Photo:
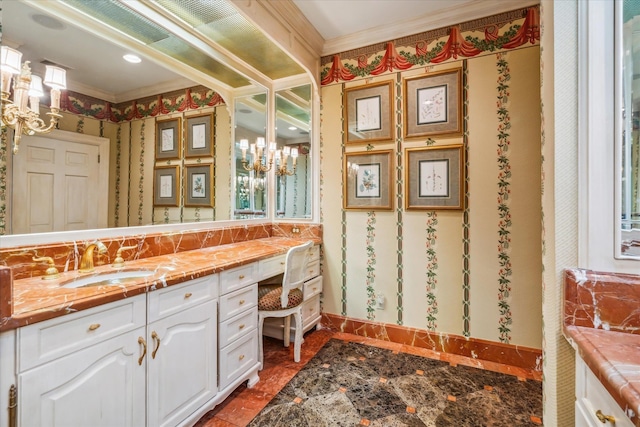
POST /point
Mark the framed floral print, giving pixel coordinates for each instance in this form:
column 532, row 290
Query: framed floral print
column 367, row 180
column 199, row 185
column 433, row 104
column 165, row 183
column 199, row 136
column 434, row 178
column 168, row 137
column 368, row 113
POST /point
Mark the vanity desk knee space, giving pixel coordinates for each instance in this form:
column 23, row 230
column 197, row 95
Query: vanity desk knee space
column 162, row 355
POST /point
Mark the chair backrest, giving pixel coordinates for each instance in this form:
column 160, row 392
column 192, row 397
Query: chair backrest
column 295, row 267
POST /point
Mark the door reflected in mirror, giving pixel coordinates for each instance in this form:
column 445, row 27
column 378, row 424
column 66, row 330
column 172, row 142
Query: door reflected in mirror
column 293, row 155
column 628, row 150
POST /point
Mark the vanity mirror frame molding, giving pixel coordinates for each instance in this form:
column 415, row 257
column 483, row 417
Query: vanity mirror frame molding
column 599, row 121
column 306, row 54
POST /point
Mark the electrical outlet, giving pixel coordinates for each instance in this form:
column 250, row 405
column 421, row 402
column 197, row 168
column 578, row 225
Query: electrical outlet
column 295, row 230
column 380, row 302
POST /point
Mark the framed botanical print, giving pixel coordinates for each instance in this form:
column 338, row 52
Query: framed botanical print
column 433, row 104
column 165, row 183
column 367, row 180
column 168, row 137
column 434, row 178
column 368, row 113
column 199, row 185
column 200, row 136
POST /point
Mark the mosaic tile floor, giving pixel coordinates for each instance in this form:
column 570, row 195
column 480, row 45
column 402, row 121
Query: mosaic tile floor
column 377, row 384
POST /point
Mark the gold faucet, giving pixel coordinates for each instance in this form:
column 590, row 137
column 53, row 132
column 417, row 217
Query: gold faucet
column 119, row 261
column 86, row 262
column 52, row 271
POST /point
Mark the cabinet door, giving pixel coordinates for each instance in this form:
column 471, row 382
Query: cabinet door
column 181, row 364
column 100, row 386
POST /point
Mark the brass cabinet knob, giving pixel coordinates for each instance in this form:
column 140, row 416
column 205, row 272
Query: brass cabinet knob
column 94, row 326
column 604, row 418
column 241, row 326
column 241, row 277
column 187, row 295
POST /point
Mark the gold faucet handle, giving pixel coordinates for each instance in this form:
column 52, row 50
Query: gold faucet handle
column 119, row 261
column 52, row 271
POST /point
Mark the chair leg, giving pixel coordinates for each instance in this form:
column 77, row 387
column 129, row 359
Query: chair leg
column 287, row 331
column 260, row 338
column 297, row 345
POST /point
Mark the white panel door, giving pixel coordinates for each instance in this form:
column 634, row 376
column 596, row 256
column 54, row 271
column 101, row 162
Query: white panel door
column 56, row 184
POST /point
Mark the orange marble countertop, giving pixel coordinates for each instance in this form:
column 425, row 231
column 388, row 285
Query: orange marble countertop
column 614, row 357
column 35, row 300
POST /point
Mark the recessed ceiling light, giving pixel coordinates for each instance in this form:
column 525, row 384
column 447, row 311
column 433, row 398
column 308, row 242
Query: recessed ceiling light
column 48, row 22
column 292, row 128
column 134, row 59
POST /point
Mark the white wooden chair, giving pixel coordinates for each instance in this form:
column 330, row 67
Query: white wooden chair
column 285, row 299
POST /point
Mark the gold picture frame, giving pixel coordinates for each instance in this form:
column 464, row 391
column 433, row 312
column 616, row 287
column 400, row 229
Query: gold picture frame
column 368, row 113
column 434, row 178
column 168, row 139
column 166, row 186
column 368, row 180
column 433, row 104
column 200, row 140
column 199, row 189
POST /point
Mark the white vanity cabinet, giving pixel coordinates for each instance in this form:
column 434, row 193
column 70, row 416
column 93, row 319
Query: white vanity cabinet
column 85, row 368
column 146, row 360
column 593, row 400
column 312, row 288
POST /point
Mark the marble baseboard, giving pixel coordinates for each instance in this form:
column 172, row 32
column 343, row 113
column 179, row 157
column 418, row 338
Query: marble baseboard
column 477, row 349
column 608, row 301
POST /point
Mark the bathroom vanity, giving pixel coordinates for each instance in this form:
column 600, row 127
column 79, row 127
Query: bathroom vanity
column 160, row 349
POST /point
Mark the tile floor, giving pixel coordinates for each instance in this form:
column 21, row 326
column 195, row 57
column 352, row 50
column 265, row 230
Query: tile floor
column 244, row 404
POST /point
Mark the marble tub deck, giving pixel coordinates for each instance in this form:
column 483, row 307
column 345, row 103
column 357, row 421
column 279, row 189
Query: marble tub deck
column 602, row 323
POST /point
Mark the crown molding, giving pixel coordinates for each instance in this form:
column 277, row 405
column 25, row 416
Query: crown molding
column 444, row 18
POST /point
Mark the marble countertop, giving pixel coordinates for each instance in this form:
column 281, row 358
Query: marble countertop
column 35, row 299
column 614, row 357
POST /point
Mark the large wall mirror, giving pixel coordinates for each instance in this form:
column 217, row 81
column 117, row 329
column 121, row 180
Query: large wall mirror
column 237, row 193
column 628, row 130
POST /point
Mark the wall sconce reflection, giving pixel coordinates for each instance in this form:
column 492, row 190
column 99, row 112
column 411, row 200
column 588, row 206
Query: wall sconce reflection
column 257, row 152
column 281, row 161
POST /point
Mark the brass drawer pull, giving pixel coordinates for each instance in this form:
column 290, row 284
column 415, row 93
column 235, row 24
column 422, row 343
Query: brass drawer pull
column 281, row 262
column 241, row 357
column 144, row 349
column 604, row 418
column 241, row 326
column 315, row 289
column 241, row 301
column 156, row 339
column 94, row 326
column 241, row 277
column 187, row 295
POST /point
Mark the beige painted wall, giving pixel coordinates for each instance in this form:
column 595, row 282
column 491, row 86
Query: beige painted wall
column 410, row 305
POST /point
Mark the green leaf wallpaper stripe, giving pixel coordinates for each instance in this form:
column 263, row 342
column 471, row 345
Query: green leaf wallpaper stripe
column 399, row 200
column 504, row 188
column 344, row 216
column 118, row 166
column 432, row 269
column 141, row 180
column 371, row 263
column 466, row 254
column 3, row 181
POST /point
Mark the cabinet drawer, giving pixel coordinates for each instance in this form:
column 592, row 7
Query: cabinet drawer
column 592, row 396
column 237, row 327
column 314, row 253
column 312, row 288
column 271, row 266
column 238, row 277
column 238, row 358
column 177, row 298
column 48, row 340
column 236, row 302
column 310, row 311
column 313, row 269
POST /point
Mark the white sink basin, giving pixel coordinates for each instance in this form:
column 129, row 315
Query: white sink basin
column 108, row 279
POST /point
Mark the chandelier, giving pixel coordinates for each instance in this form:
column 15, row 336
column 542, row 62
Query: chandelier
column 256, row 150
column 281, row 161
column 28, row 88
